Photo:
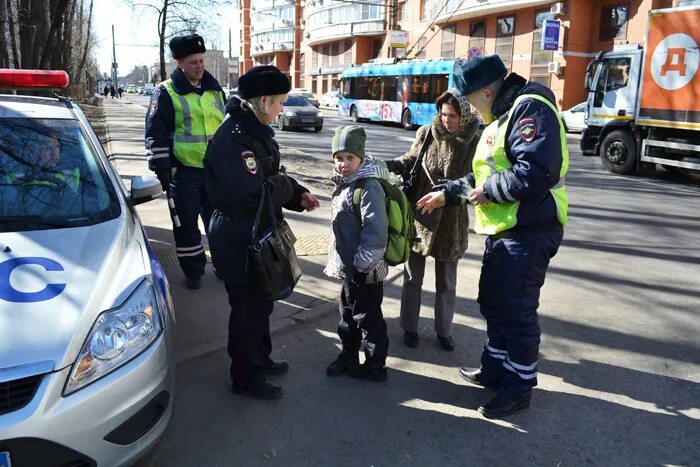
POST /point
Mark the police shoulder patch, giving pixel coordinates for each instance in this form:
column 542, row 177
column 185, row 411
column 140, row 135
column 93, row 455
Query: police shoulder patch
column 527, row 128
column 154, row 105
column 249, row 162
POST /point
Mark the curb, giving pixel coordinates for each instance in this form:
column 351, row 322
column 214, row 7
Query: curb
column 277, row 327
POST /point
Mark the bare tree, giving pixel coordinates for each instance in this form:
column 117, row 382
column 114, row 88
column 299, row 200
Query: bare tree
column 177, row 17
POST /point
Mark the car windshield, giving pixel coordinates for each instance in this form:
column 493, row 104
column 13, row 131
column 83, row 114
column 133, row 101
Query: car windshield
column 50, row 178
column 297, row 101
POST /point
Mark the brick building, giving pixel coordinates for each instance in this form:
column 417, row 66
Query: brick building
column 315, row 40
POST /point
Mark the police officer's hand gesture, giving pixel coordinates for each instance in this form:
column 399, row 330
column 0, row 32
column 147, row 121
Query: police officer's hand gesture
column 477, row 196
column 309, row 202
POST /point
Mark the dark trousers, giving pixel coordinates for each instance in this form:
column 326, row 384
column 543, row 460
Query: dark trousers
column 249, row 343
column 362, row 323
column 512, row 274
column 191, row 201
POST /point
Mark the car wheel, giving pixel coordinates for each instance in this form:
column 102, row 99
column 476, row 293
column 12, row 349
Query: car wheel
column 618, row 152
column 280, row 124
column 407, row 120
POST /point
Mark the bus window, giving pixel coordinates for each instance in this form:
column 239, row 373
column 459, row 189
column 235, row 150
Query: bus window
column 403, row 93
column 390, row 88
column 439, row 85
column 373, row 88
column 346, row 87
column 360, row 89
column 420, row 89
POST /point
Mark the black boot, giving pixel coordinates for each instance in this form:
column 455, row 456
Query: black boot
column 276, row 368
column 410, row 339
column 368, row 372
column 478, row 377
column 341, row 364
column 500, row 407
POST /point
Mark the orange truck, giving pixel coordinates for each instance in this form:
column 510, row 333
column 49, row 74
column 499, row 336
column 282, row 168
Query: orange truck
column 643, row 104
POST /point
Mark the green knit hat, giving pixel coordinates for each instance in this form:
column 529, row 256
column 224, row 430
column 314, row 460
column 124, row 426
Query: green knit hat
column 350, row 138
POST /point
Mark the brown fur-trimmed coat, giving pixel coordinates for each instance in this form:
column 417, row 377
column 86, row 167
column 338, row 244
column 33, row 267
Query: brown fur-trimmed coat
column 449, row 156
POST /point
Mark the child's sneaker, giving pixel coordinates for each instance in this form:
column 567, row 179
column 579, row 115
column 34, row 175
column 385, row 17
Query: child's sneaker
column 342, row 363
column 367, row 372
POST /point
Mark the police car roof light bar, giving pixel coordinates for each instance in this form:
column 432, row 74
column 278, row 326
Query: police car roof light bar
column 33, row 79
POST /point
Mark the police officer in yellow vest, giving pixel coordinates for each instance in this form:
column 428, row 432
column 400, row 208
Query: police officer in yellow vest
column 184, row 113
column 521, row 204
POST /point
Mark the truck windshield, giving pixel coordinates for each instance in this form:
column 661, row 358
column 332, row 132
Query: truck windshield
column 49, row 177
column 614, row 74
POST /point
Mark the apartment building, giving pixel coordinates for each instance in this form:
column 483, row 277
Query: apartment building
column 315, row 40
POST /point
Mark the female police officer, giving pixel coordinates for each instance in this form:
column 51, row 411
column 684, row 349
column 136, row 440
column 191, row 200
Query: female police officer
column 241, row 157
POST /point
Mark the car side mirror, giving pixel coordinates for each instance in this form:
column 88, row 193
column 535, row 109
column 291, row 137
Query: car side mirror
column 144, row 189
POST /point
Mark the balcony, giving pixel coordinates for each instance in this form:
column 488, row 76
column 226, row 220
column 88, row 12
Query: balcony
column 328, row 21
column 270, row 4
column 270, row 47
column 442, row 10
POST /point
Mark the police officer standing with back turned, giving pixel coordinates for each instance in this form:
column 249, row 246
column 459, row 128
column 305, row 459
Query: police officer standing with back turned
column 184, row 113
column 521, row 204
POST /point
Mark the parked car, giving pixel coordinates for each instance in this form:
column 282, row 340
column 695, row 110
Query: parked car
column 88, row 328
column 573, row 118
column 330, row 99
column 308, row 95
column 299, row 112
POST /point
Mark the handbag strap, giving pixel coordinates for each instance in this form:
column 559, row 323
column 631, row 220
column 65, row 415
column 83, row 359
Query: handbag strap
column 265, row 198
column 419, row 160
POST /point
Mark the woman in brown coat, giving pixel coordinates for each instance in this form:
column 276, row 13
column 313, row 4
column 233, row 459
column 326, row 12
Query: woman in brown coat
column 444, row 234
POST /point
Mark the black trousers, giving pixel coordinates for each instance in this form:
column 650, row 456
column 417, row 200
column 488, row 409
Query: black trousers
column 362, row 323
column 191, row 202
column 512, row 274
column 249, row 343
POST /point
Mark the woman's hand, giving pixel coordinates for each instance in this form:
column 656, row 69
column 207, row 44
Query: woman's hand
column 309, row 202
column 431, row 201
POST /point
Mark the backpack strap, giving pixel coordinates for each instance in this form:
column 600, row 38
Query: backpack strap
column 357, row 197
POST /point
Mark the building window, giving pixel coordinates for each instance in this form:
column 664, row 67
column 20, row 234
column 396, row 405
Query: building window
column 335, row 53
column 314, row 84
column 403, row 11
column 376, row 48
column 314, row 59
column 540, row 58
column 424, row 9
column 324, row 56
column 447, row 49
column 505, row 30
column 613, row 22
column 347, row 59
column 302, row 63
column 420, row 53
column 477, row 36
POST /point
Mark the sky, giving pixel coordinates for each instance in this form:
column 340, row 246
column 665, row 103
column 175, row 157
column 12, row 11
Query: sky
column 136, row 36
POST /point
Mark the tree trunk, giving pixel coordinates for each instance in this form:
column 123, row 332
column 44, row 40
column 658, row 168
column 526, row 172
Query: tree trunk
column 86, row 47
column 11, row 18
column 161, row 38
column 56, row 19
column 4, row 52
column 65, row 46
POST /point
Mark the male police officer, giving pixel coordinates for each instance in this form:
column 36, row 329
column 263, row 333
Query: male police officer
column 521, row 204
column 184, row 114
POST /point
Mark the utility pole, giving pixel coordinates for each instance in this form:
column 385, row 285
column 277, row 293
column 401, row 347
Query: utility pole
column 114, row 62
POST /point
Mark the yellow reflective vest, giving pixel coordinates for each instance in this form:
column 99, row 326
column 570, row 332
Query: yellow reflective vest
column 490, row 157
column 196, row 120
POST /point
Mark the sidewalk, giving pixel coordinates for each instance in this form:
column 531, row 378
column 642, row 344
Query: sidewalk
column 203, row 314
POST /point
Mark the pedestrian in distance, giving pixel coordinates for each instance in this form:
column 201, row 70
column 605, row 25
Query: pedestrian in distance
column 442, row 149
column 356, row 250
column 185, row 112
column 120, row 90
column 112, row 91
column 242, row 160
column 521, row 204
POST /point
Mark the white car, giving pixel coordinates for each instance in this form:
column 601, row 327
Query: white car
column 86, row 318
column 574, row 118
column 330, row 99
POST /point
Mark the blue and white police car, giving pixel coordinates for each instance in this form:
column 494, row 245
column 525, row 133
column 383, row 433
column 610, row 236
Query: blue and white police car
column 86, row 317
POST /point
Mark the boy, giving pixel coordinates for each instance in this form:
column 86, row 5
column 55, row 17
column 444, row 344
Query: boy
column 359, row 234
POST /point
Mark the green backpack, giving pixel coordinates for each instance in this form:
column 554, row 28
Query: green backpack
column 400, row 216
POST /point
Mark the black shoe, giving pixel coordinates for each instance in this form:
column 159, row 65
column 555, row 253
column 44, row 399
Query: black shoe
column 446, row 343
column 476, row 376
column 341, row 364
column 193, row 282
column 263, row 390
column 410, row 339
column 368, row 373
column 276, row 368
column 500, row 407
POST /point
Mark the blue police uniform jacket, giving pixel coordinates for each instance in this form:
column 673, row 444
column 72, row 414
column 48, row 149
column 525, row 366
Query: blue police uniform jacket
column 536, row 158
column 241, row 156
column 160, row 118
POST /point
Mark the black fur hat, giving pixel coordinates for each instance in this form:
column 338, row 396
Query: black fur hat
column 182, row 46
column 263, row 80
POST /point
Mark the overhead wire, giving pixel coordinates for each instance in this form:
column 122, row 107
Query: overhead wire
column 435, row 33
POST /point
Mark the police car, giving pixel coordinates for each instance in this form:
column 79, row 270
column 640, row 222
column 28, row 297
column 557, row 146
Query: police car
column 86, row 317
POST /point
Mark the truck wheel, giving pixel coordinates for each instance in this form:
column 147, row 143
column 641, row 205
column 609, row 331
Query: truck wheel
column 407, row 120
column 618, row 152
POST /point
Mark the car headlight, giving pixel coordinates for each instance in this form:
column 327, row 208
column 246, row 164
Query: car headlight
column 290, row 114
column 320, row 114
column 117, row 336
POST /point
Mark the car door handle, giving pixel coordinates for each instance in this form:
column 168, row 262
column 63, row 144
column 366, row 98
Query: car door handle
column 621, row 113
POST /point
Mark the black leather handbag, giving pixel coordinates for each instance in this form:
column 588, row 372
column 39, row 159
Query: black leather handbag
column 271, row 254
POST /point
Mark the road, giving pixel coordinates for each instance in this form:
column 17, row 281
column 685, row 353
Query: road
column 619, row 370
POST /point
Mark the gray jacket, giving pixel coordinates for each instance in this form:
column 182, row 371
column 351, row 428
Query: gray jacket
column 359, row 244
